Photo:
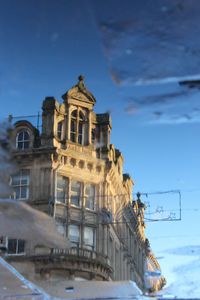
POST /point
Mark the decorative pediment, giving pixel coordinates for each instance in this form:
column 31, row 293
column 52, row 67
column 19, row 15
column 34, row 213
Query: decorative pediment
column 79, row 92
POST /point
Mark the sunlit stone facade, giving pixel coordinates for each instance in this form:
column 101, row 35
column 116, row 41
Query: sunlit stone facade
column 70, row 170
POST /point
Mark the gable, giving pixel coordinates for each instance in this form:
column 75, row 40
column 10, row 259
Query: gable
column 79, row 92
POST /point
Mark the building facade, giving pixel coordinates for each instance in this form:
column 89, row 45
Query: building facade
column 71, row 171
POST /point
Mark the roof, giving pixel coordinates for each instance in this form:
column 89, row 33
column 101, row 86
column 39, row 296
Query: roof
column 92, row 289
column 14, row 286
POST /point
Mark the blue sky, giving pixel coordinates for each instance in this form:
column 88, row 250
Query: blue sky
column 45, row 45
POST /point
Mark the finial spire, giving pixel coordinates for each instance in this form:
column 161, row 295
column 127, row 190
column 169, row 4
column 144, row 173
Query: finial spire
column 81, row 78
column 138, row 196
column 81, row 84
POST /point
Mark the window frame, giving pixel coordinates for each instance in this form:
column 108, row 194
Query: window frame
column 73, row 194
column 21, row 185
column 90, row 196
column 81, row 128
column 59, row 132
column 23, row 141
column 63, row 190
column 91, row 246
column 73, row 126
column 75, row 242
column 77, row 127
column 16, row 247
column 60, row 224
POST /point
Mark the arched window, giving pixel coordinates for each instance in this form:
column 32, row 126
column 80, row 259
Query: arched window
column 23, row 140
column 73, row 126
column 81, row 128
column 77, row 127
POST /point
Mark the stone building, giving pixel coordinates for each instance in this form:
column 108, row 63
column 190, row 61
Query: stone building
column 70, row 170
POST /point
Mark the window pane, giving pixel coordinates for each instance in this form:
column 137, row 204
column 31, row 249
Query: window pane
column 16, row 179
column 74, row 114
column 25, row 180
column 23, row 140
column 73, row 126
column 17, row 192
column 90, row 203
column 21, row 246
column 90, row 196
column 93, row 135
column 60, row 228
column 75, row 193
column 80, row 133
column 61, row 182
column 12, row 246
column 26, row 135
column 74, row 233
column 80, row 139
column 76, row 187
column 73, row 137
column 73, row 131
column 25, row 177
column 80, row 128
column 75, row 200
column 59, row 130
column 61, row 188
column 81, row 116
column 20, row 145
column 20, row 182
column 90, row 190
column 60, row 196
column 20, row 136
column 24, row 192
column 26, row 145
column 89, row 237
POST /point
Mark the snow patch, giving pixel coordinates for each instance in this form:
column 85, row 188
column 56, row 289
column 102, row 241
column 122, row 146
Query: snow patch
column 181, row 267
